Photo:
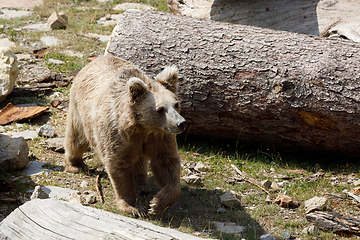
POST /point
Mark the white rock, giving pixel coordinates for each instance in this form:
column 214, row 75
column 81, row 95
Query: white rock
column 58, row 192
column 39, row 193
column 200, row 167
column 46, row 131
column 313, row 230
column 137, row 6
column 13, row 153
column 6, row 43
column 39, row 27
column 57, row 20
column 230, row 199
column 356, row 183
column 74, row 198
column 56, row 62
column 315, row 203
column 90, row 198
column 9, row 14
column 49, row 41
column 27, row 135
column 56, row 144
column 84, row 184
column 115, row 18
column 9, row 71
column 221, row 210
column 227, row 227
column 192, row 179
column 102, row 38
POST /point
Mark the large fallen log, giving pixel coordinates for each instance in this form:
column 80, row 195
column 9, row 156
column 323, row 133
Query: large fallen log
column 251, row 84
column 54, row 219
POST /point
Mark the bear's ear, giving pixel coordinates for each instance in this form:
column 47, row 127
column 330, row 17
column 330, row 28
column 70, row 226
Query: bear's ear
column 136, row 87
column 168, row 78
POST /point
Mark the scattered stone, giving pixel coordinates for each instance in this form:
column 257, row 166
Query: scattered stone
column 36, row 168
column 192, row 179
column 13, row 153
column 90, row 198
column 55, row 61
column 58, row 192
column 46, row 131
column 284, row 201
column 230, row 199
column 221, row 210
column 275, row 186
column 282, row 184
column 20, row 4
column 272, row 169
column 23, row 56
column 286, row 235
column 102, row 38
column 268, row 199
column 13, row 113
column 227, row 227
column 315, row 203
column 113, row 19
column 56, row 144
column 57, row 20
column 312, row 230
column 56, row 102
column 356, row 183
column 9, row 14
column 314, row 177
column 39, row 193
column 266, row 183
column 9, row 71
column 84, row 184
column 39, row 27
column 27, row 135
column 137, row 6
column 49, row 41
column 267, row 237
column 200, row 167
column 74, row 198
column 6, row 43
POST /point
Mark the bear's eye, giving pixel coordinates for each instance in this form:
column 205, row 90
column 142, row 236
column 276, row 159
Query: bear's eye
column 160, row 110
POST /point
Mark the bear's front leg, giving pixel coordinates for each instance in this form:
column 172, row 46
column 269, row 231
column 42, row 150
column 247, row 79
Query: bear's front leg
column 166, row 170
column 122, row 179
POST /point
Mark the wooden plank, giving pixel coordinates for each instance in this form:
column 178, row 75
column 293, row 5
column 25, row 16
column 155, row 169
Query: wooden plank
column 54, row 219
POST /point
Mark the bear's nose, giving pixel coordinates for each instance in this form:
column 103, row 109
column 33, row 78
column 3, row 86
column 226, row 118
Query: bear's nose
column 181, row 125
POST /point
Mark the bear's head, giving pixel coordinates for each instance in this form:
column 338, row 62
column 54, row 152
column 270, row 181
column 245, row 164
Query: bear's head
column 156, row 105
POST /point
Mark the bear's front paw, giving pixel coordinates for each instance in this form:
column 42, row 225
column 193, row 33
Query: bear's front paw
column 76, row 169
column 157, row 208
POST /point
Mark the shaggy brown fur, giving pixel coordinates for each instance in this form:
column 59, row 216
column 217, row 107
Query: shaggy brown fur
column 129, row 120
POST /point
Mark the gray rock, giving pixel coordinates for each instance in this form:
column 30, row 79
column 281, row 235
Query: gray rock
column 286, row 235
column 230, row 199
column 36, row 168
column 102, row 38
column 27, row 135
column 55, row 144
column 114, row 19
column 13, row 153
column 57, row 20
column 266, row 183
column 315, row 203
column 84, row 184
column 192, row 179
column 46, row 131
column 74, row 198
column 267, row 237
column 221, row 210
column 90, row 198
column 49, row 41
column 9, row 71
column 39, row 193
column 227, row 227
column 275, row 186
column 356, row 183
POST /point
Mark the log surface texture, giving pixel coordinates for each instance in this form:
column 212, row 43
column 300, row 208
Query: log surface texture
column 251, row 84
column 54, row 219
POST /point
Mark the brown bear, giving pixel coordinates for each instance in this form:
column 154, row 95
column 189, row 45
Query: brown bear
column 130, row 120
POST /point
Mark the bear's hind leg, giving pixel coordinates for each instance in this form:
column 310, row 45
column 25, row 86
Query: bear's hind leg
column 75, row 146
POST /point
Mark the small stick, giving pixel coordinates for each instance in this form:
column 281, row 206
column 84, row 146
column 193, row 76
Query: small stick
column 242, row 174
column 8, row 199
column 98, row 186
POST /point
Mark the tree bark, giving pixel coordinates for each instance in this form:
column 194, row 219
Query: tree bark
column 251, row 84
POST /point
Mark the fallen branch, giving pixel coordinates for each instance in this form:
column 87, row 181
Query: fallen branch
column 98, row 187
column 243, row 177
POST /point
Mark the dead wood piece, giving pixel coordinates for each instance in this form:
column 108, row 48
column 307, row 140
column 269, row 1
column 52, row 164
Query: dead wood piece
column 249, row 84
column 98, row 186
column 334, row 222
column 12, row 113
column 55, row 219
column 354, row 196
